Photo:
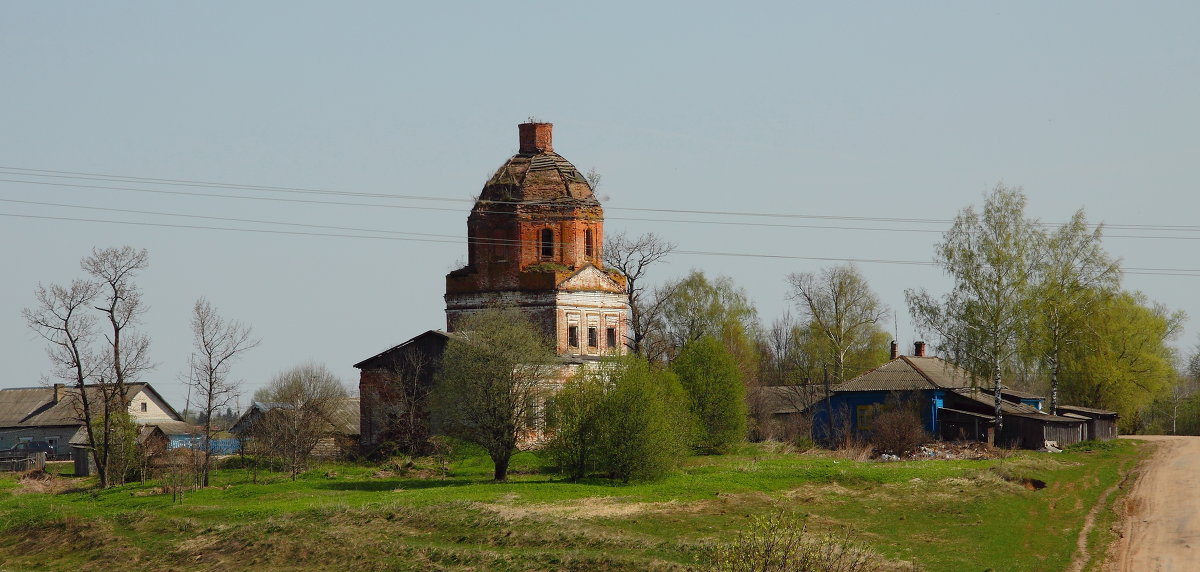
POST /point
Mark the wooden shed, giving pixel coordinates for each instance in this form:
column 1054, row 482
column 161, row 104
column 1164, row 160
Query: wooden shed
column 1099, row 424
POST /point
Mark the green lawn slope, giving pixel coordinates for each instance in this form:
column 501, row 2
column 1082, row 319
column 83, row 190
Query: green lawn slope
column 933, row 515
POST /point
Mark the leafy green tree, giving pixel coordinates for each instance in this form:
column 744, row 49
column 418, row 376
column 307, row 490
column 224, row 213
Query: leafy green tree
column 993, row 258
column 694, row 307
column 841, row 308
column 646, row 423
column 624, row 418
column 1076, row 274
column 709, row 375
column 575, row 414
column 1126, row 360
column 493, row 382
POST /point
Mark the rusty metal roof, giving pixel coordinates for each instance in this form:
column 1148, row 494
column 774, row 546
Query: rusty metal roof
column 911, row 373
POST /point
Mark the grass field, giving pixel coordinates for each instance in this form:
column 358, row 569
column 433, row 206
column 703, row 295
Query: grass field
column 936, row 515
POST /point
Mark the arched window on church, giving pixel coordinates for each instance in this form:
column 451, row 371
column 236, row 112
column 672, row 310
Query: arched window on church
column 546, row 243
column 589, row 244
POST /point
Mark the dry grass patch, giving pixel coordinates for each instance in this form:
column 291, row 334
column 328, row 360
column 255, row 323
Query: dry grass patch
column 586, row 508
column 41, row 482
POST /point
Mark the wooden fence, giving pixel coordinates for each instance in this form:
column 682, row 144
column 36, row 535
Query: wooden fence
column 17, row 464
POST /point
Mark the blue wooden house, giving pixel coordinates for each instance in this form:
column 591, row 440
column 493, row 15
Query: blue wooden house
column 953, row 404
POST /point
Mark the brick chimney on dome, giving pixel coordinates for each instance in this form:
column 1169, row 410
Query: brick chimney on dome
column 536, row 137
column 895, row 350
column 919, row 349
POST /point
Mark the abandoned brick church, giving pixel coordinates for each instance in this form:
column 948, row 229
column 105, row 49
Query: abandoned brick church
column 534, row 240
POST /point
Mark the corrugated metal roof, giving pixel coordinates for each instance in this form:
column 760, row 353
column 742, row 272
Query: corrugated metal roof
column 911, row 373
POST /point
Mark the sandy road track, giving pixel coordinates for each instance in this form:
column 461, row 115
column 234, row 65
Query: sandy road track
column 1162, row 529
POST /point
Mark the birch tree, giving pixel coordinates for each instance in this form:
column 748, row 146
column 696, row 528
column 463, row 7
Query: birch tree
column 1076, row 274
column 992, row 256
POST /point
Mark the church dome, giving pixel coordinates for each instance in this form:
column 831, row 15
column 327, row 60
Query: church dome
column 538, row 174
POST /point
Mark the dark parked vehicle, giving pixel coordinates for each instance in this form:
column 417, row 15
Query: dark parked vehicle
column 30, row 447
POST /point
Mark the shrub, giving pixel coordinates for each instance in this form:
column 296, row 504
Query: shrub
column 621, row 418
column 779, row 544
column 710, row 376
column 898, row 429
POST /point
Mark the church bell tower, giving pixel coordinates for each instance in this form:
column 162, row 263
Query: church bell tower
column 534, row 240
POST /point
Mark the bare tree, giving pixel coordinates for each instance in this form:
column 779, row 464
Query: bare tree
column 126, row 351
column 121, row 305
column 99, row 370
column 61, row 317
column 399, row 408
column 302, row 408
column 633, row 257
column 840, row 303
column 218, row 344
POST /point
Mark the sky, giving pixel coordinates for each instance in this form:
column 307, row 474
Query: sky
column 840, row 131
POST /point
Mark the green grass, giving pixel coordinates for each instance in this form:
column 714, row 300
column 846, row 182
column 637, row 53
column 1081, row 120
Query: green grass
column 940, row 515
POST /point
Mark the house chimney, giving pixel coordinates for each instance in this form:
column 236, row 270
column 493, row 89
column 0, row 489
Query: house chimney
column 536, row 137
column 919, row 349
column 895, row 350
column 58, row 392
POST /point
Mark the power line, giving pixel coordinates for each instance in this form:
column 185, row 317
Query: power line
column 634, row 219
column 483, row 241
column 458, row 240
column 304, row 190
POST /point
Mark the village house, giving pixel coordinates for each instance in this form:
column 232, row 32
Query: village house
column 340, row 427
column 953, row 405
column 534, row 240
column 53, row 414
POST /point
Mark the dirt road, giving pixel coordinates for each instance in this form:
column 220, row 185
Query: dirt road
column 1162, row 531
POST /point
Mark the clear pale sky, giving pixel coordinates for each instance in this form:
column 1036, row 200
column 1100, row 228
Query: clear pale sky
column 879, row 110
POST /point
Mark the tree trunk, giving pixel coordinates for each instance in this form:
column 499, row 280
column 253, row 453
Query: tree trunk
column 1054, row 380
column 501, row 473
column 999, row 414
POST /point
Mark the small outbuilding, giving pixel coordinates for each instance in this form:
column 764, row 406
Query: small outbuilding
column 1099, row 424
